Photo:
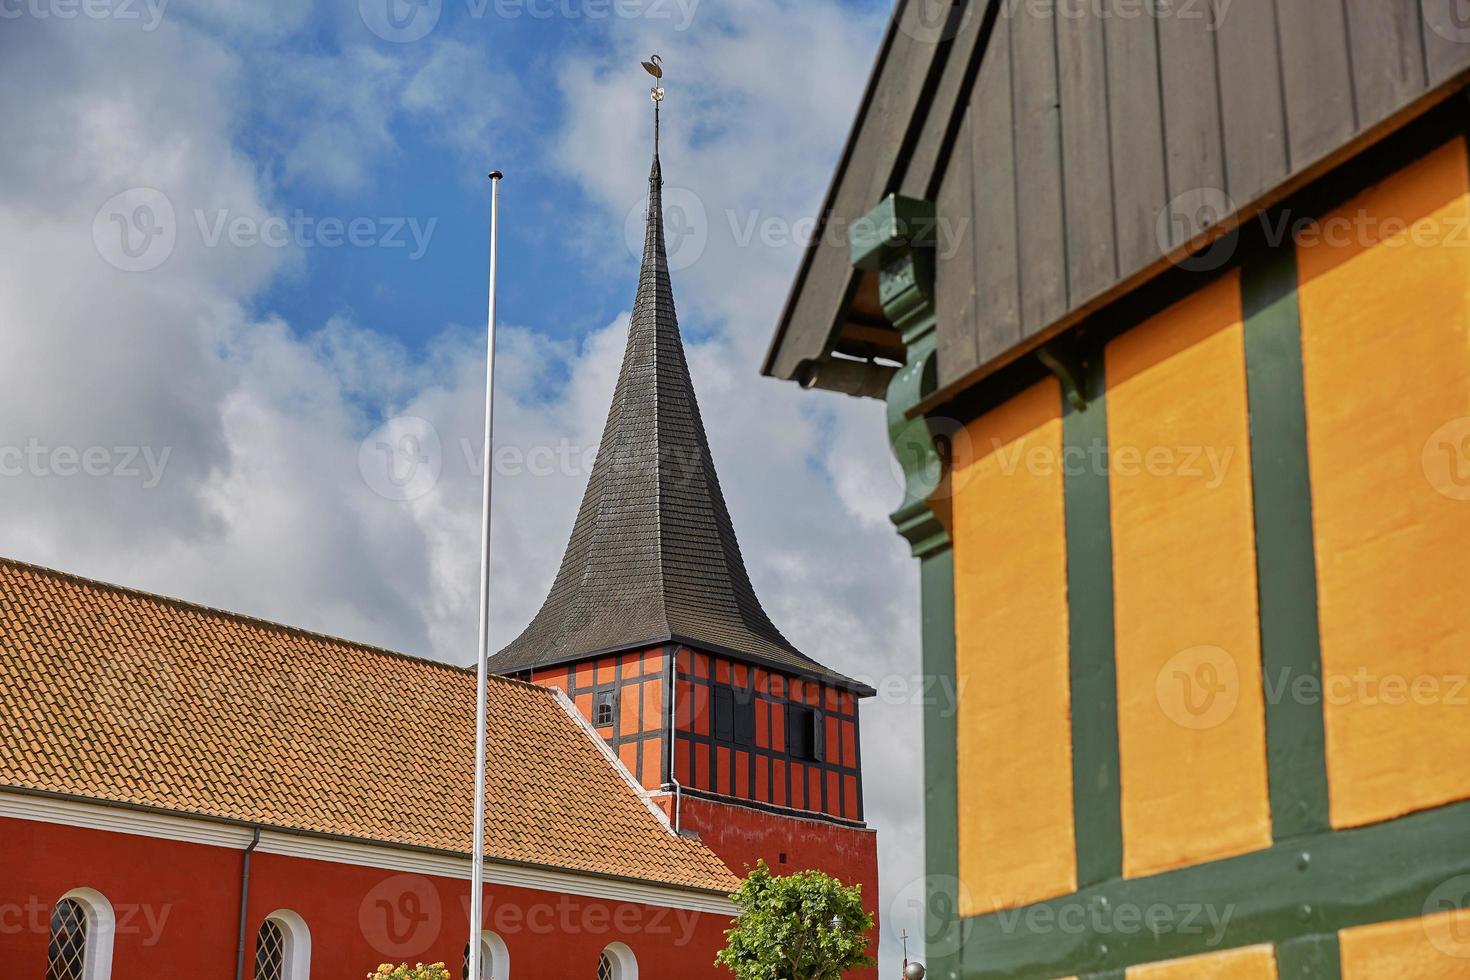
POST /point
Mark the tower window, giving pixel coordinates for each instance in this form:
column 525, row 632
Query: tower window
column 603, row 706
column 801, row 736
column 724, row 709
column 734, row 715
column 744, row 719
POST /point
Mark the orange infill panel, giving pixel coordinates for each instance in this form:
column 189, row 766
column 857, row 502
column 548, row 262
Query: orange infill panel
column 1385, row 309
column 1014, row 733
column 1191, row 711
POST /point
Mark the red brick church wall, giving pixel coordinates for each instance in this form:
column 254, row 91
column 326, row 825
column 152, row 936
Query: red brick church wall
column 743, row 835
column 177, row 908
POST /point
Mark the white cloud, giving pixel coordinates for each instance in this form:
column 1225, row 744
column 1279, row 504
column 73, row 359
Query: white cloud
column 759, row 99
column 262, row 506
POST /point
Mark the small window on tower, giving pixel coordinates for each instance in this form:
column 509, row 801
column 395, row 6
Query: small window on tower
column 603, row 707
column 802, row 733
column 744, row 718
column 724, row 709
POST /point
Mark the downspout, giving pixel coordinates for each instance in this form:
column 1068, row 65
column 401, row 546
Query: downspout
column 244, row 905
column 671, row 652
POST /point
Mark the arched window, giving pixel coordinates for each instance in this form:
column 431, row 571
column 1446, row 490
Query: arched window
column 494, row 958
column 80, row 946
column 283, row 947
column 617, row 963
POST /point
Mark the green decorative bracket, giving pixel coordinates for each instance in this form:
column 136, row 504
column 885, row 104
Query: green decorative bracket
column 897, row 240
column 1065, row 362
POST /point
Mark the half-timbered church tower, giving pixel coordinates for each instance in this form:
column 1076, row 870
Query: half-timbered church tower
column 653, row 630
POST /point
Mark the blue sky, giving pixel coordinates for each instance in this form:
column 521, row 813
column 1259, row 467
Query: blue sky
column 168, row 185
column 561, row 284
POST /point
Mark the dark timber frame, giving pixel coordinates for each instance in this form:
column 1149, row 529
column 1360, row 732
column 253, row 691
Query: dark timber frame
column 1313, row 881
column 698, row 740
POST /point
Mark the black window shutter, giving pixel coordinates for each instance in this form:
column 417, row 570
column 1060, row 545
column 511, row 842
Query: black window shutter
column 744, row 721
column 724, row 714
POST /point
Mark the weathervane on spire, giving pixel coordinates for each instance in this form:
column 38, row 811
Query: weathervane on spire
column 655, row 67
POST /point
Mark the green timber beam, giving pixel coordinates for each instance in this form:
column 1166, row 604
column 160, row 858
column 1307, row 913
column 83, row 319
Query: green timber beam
column 1314, row 885
column 1096, row 792
column 897, row 239
column 1286, row 570
column 1309, row 958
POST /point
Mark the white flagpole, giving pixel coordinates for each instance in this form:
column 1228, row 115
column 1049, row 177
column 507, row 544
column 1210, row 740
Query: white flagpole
column 482, row 680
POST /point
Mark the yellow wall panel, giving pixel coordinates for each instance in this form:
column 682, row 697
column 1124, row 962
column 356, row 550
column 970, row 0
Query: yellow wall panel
column 1250, row 963
column 1191, row 720
column 1434, row 948
column 1014, row 754
column 1385, row 306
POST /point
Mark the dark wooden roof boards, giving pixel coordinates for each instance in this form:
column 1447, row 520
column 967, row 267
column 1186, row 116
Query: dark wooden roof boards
column 1070, row 157
column 653, row 556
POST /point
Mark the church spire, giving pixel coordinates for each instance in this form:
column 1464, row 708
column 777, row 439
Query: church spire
column 653, row 556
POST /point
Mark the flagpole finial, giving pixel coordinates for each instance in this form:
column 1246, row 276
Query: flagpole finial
column 655, row 67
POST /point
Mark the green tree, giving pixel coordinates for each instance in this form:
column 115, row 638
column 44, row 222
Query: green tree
column 804, row 926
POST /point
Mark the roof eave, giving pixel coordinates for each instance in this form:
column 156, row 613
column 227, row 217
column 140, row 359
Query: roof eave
column 818, row 673
column 773, row 350
column 351, row 839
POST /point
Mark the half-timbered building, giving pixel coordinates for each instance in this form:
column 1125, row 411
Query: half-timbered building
column 1170, row 304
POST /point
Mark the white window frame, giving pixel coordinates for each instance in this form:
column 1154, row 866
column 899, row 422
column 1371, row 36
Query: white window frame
column 296, row 962
column 494, row 957
column 101, row 927
column 625, row 964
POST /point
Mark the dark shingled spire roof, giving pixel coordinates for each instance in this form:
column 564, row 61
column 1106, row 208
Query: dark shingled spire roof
column 653, row 556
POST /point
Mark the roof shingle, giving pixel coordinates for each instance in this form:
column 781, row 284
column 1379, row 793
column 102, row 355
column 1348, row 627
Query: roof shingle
column 121, row 696
column 653, row 556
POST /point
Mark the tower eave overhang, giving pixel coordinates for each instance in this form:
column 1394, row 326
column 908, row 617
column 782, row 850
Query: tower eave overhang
column 815, row 672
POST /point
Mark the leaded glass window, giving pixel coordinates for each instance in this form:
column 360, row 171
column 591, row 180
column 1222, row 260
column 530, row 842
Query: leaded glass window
column 270, row 952
column 483, row 964
column 67, row 953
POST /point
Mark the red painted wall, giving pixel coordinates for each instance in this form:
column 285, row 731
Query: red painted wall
column 641, row 715
column 743, row 835
column 177, row 907
column 765, row 771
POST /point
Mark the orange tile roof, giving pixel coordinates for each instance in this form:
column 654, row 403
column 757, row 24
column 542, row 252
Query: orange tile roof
column 122, row 696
